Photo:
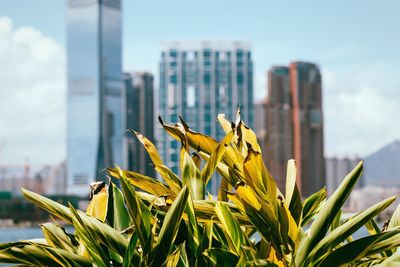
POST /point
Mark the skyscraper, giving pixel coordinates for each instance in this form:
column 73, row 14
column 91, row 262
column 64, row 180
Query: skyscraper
column 139, row 116
column 94, row 123
column 279, row 117
column 260, row 121
column 295, row 124
column 198, row 81
column 306, row 91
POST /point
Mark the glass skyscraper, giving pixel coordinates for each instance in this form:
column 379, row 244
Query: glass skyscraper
column 139, row 116
column 198, row 81
column 94, row 117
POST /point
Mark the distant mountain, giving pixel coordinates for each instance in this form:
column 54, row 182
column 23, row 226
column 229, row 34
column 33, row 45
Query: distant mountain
column 382, row 168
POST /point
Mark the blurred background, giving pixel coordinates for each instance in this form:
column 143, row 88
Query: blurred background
column 319, row 82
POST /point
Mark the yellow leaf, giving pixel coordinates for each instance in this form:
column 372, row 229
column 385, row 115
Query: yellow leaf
column 150, row 148
column 247, row 194
column 98, row 201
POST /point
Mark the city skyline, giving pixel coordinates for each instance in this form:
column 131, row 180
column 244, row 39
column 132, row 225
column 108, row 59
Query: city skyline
column 357, row 55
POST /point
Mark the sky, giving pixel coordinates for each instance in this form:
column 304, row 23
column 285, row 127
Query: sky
column 355, row 43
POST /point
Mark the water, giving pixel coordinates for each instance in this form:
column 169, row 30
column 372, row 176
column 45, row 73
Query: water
column 11, row 234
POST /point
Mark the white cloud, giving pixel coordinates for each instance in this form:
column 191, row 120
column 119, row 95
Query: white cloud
column 32, row 96
column 361, row 106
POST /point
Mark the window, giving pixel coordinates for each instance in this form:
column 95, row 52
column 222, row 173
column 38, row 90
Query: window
column 207, row 78
column 222, row 56
column 207, row 53
column 173, row 53
column 173, row 78
column 239, row 78
column 190, row 56
column 171, row 95
column 221, row 91
column 190, row 96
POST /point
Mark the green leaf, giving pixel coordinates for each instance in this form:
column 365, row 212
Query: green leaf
column 121, row 219
column 172, row 259
column 57, row 237
column 89, row 239
column 292, row 194
column 170, row 228
column 346, row 229
column 395, row 220
column 221, row 257
column 327, row 214
column 192, row 226
column 231, row 227
column 131, row 257
column 357, row 249
column 49, row 205
column 336, row 222
column 33, row 254
column 170, row 178
column 191, row 176
column 107, row 235
column 312, row 205
column 139, row 213
column 212, row 162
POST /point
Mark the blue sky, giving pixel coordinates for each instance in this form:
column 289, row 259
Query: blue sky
column 356, row 45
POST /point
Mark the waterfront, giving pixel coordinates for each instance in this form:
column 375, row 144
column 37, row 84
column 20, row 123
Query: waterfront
column 11, row 234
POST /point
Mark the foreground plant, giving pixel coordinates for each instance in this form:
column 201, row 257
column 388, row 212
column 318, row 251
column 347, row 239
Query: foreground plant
column 173, row 223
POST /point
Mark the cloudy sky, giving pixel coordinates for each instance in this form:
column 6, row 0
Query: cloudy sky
column 357, row 46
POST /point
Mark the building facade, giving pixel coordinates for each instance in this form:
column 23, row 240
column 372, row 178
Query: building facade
column 139, row 116
column 279, row 124
column 295, row 125
column 260, row 122
column 198, row 81
column 306, row 91
column 94, row 105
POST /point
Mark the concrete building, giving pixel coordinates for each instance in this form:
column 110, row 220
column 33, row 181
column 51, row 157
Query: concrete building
column 94, row 104
column 279, row 124
column 139, row 116
column 308, row 138
column 295, row 125
column 198, row 81
column 260, row 122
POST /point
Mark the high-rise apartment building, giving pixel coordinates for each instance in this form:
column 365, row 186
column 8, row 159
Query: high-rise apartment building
column 139, row 116
column 295, row 124
column 260, row 122
column 94, row 117
column 279, row 124
column 198, row 81
column 306, row 91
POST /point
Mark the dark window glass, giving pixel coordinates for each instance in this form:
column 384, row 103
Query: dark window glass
column 207, row 78
column 173, row 78
column 173, row 53
column 239, row 78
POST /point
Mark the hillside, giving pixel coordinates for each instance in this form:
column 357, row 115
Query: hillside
column 382, row 168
